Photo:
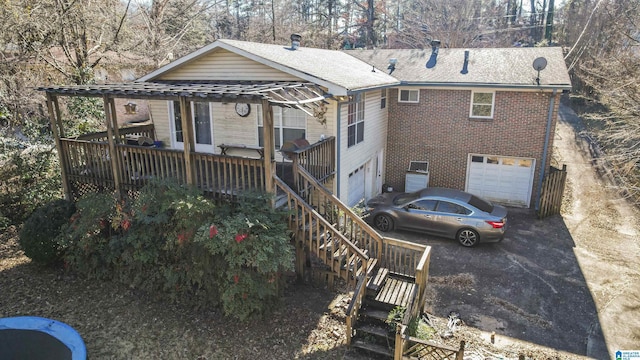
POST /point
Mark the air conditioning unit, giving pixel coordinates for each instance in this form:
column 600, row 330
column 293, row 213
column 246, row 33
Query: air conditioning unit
column 417, row 176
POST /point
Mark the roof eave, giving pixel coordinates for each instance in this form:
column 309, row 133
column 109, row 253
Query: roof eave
column 489, row 85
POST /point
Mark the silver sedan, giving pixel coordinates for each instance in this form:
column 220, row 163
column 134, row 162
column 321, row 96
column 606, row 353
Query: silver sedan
column 442, row 212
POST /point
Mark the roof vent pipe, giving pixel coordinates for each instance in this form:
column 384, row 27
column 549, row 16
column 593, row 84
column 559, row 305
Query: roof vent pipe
column 295, row 41
column 465, row 66
column 435, row 45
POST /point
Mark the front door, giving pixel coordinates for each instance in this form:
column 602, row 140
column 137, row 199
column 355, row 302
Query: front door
column 202, row 122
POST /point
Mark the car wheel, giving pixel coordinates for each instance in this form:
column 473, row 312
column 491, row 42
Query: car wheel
column 383, row 223
column 468, row 237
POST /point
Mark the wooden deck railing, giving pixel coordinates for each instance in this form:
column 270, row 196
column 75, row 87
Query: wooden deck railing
column 228, row 175
column 146, row 130
column 318, row 159
column 87, row 161
column 345, row 258
column 90, row 162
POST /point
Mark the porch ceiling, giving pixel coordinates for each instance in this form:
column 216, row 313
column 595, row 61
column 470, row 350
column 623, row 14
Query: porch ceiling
column 279, row 93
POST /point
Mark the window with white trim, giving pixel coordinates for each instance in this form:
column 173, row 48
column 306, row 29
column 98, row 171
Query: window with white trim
column 482, row 105
column 355, row 123
column 383, row 98
column 288, row 124
column 408, row 96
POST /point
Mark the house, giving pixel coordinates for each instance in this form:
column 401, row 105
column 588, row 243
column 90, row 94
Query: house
column 478, row 120
column 323, row 129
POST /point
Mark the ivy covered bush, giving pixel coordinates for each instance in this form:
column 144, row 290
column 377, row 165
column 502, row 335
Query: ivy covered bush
column 172, row 241
column 38, row 237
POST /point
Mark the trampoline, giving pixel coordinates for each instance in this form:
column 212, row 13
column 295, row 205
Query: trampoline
column 35, row 338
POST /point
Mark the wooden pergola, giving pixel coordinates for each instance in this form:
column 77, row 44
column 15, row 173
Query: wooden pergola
column 302, row 95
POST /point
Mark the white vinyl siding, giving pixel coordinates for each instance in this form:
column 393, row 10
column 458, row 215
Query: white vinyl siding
column 375, row 139
column 225, row 65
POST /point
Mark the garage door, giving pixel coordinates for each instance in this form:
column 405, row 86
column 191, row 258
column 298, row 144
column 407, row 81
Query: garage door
column 356, row 186
column 503, row 179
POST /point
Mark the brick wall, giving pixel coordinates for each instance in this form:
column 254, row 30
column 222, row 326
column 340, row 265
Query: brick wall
column 438, row 129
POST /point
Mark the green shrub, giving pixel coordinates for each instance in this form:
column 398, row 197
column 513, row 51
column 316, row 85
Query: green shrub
column 30, row 178
column 172, row 241
column 38, row 236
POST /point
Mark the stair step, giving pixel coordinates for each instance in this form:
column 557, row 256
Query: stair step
column 370, row 267
column 374, row 348
column 375, row 314
column 377, row 280
column 379, row 331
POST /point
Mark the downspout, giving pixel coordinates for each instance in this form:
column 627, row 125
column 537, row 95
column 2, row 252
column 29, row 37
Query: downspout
column 338, row 147
column 547, row 136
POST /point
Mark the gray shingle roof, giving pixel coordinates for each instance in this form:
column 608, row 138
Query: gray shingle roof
column 486, row 66
column 336, row 67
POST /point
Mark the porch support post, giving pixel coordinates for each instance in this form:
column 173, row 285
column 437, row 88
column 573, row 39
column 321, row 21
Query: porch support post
column 56, row 128
column 267, row 135
column 114, row 121
column 110, row 121
column 188, row 137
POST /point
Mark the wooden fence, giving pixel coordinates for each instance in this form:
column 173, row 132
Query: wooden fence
column 552, row 190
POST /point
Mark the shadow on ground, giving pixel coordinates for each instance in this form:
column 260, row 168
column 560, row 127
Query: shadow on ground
column 528, row 287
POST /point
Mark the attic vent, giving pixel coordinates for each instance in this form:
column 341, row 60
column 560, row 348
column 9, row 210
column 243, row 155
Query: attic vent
column 419, row 166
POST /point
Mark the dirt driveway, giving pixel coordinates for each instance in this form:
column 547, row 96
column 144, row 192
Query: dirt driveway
column 570, row 282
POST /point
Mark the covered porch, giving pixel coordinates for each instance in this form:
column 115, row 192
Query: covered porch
column 124, row 158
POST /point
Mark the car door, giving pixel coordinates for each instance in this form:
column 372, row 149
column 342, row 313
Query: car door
column 449, row 218
column 419, row 215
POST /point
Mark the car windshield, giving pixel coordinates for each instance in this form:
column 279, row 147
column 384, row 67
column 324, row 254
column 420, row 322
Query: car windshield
column 481, row 204
column 402, row 199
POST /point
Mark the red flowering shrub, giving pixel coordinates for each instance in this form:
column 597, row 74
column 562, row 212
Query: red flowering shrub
column 170, row 240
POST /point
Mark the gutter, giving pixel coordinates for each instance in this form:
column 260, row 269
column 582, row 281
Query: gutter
column 481, row 85
column 547, row 136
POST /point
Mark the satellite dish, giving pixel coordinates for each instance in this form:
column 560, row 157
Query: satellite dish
column 539, row 63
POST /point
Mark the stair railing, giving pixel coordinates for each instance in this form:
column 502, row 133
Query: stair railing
column 355, row 305
column 415, row 348
column 346, row 262
column 336, row 212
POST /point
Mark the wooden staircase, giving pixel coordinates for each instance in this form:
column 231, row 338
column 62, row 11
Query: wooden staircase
column 372, row 333
column 383, row 272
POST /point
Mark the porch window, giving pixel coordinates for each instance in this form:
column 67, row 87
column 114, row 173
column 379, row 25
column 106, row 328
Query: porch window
column 289, row 124
column 355, row 115
column 177, row 121
column 482, row 105
column 202, row 119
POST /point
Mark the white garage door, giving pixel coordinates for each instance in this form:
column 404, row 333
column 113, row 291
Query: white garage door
column 503, row 179
column 356, row 186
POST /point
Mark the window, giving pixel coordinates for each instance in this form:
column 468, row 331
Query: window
column 482, row 105
column 451, row 208
column 177, row 121
column 289, row 124
column 426, row 205
column 409, row 96
column 383, row 98
column 355, row 115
